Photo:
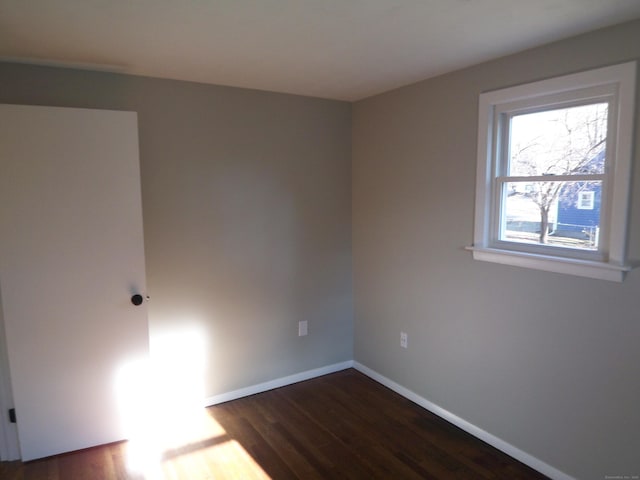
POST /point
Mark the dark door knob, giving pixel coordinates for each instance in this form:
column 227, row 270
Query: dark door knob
column 137, row 299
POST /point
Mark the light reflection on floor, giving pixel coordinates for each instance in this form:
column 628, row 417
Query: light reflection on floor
column 171, row 435
column 201, row 449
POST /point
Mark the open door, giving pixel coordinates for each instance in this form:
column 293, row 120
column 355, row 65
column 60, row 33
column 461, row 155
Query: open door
column 71, row 258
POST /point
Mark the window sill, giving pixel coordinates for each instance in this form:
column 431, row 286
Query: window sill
column 570, row 266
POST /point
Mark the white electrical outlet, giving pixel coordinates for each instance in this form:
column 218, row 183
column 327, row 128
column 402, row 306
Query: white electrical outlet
column 302, row 328
column 403, row 340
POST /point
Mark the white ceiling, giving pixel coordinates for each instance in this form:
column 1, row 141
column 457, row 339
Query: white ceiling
column 341, row 49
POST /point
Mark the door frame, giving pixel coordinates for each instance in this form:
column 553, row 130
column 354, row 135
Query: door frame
column 9, row 445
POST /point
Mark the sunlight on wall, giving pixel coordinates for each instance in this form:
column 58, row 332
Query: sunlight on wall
column 161, row 398
column 161, row 401
column 178, row 360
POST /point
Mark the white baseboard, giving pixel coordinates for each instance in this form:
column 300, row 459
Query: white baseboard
column 277, row 383
column 468, row 427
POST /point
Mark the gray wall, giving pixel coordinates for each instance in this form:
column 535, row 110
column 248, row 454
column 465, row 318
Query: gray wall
column 247, row 216
column 547, row 362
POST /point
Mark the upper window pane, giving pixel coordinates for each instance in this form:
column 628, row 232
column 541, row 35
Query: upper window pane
column 564, row 141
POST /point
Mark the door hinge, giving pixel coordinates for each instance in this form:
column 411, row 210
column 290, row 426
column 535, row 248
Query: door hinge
column 12, row 415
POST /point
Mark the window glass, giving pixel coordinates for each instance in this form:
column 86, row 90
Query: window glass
column 557, row 144
column 551, row 213
column 566, row 141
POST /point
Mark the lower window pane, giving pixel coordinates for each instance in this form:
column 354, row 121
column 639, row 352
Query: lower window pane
column 556, row 214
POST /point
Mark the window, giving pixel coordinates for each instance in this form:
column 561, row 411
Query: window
column 586, row 200
column 554, row 161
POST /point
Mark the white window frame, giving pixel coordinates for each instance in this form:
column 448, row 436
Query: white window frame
column 615, row 84
column 586, row 200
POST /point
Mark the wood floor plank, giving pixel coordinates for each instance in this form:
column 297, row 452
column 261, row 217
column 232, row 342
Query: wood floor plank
column 315, row 441
column 293, row 453
column 363, row 432
column 340, row 426
column 363, row 439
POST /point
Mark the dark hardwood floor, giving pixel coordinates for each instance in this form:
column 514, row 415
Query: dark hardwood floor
column 340, row 426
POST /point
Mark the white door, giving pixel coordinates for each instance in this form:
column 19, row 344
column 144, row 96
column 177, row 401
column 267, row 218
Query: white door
column 71, row 257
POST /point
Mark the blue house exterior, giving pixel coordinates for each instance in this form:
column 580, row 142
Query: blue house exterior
column 580, row 215
column 579, row 210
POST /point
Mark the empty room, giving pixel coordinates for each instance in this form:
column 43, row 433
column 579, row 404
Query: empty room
column 277, row 239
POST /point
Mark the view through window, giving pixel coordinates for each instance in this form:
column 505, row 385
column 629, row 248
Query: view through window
column 553, row 186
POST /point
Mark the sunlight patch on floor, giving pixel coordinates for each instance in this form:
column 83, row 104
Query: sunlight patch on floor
column 171, row 434
column 207, row 452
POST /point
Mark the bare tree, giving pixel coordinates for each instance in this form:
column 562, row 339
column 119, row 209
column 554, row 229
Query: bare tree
column 558, row 142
